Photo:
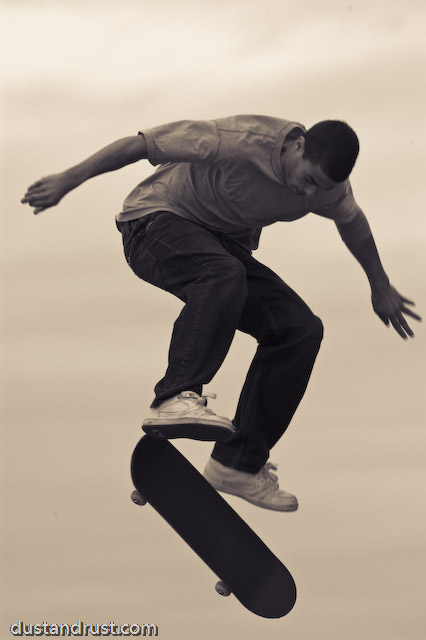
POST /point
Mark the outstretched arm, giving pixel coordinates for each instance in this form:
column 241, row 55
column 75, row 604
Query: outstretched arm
column 48, row 191
column 390, row 306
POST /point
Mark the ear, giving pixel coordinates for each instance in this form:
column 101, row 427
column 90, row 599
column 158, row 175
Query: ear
column 300, row 144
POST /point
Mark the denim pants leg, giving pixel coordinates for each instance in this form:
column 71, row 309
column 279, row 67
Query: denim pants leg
column 225, row 288
column 289, row 337
column 190, row 262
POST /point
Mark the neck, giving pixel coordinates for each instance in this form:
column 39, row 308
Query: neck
column 286, row 148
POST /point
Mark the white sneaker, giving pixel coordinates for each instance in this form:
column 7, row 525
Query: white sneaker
column 186, row 416
column 260, row 488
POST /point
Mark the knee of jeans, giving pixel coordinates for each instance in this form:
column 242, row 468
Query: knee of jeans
column 308, row 330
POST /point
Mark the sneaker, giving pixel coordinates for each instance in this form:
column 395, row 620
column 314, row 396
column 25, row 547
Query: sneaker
column 187, row 416
column 260, row 488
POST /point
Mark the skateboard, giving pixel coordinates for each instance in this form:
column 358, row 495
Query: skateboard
column 245, row 566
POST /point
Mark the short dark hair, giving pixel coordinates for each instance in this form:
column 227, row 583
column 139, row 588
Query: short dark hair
column 334, row 146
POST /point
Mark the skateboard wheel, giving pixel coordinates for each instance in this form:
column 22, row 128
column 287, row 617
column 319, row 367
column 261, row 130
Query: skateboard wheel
column 222, row 589
column 137, row 498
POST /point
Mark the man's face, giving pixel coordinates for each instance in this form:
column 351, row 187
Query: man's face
column 303, row 176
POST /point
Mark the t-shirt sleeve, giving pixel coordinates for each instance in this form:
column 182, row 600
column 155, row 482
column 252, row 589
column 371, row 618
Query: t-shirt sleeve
column 182, row 141
column 342, row 207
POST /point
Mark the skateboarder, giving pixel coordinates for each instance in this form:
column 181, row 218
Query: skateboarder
column 191, row 227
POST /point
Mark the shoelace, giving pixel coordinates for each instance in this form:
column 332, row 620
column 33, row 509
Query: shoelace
column 266, row 476
column 202, row 400
column 208, row 395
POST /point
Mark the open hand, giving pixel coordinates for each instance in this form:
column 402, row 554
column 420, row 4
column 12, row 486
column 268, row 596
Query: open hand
column 391, row 307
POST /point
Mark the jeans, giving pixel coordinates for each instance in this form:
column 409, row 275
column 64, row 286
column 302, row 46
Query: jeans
column 224, row 289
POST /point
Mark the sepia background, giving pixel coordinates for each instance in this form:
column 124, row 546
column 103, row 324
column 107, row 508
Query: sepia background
column 84, row 341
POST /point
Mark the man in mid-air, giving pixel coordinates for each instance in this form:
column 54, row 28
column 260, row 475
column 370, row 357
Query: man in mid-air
column 191, row 227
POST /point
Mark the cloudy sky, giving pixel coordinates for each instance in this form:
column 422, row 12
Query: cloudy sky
column 77, row 75
column 84, row 341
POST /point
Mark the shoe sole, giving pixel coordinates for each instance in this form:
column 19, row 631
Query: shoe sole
column 186, row 429
column 271, row 507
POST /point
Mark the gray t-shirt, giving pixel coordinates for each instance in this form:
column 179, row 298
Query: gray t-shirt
column 226, row 175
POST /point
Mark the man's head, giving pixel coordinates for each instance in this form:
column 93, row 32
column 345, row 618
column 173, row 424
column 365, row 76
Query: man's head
column 334, row 146
column 321, row 158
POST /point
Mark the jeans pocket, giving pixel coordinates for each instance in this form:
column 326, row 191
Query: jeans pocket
column 144, row 264
column 132, row 232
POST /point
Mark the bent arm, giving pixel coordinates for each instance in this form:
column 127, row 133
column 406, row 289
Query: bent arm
column 48, row 191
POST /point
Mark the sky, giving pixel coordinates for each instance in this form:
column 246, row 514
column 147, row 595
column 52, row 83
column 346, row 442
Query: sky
column 79, row 75
column 84, row 341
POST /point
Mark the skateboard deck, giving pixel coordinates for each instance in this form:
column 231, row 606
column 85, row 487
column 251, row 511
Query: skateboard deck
column 164, row 478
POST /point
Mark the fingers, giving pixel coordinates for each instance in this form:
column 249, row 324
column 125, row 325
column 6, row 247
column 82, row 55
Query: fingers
column 40, row 203
column 33, row 199
column 392, row 309
column 384, row 319
column 36, row 184
column 38, row 196
column 396, row 317
column 36, row 187
column 410, row 313
column 401, row 327
column 403, row 324
column 400, row 324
